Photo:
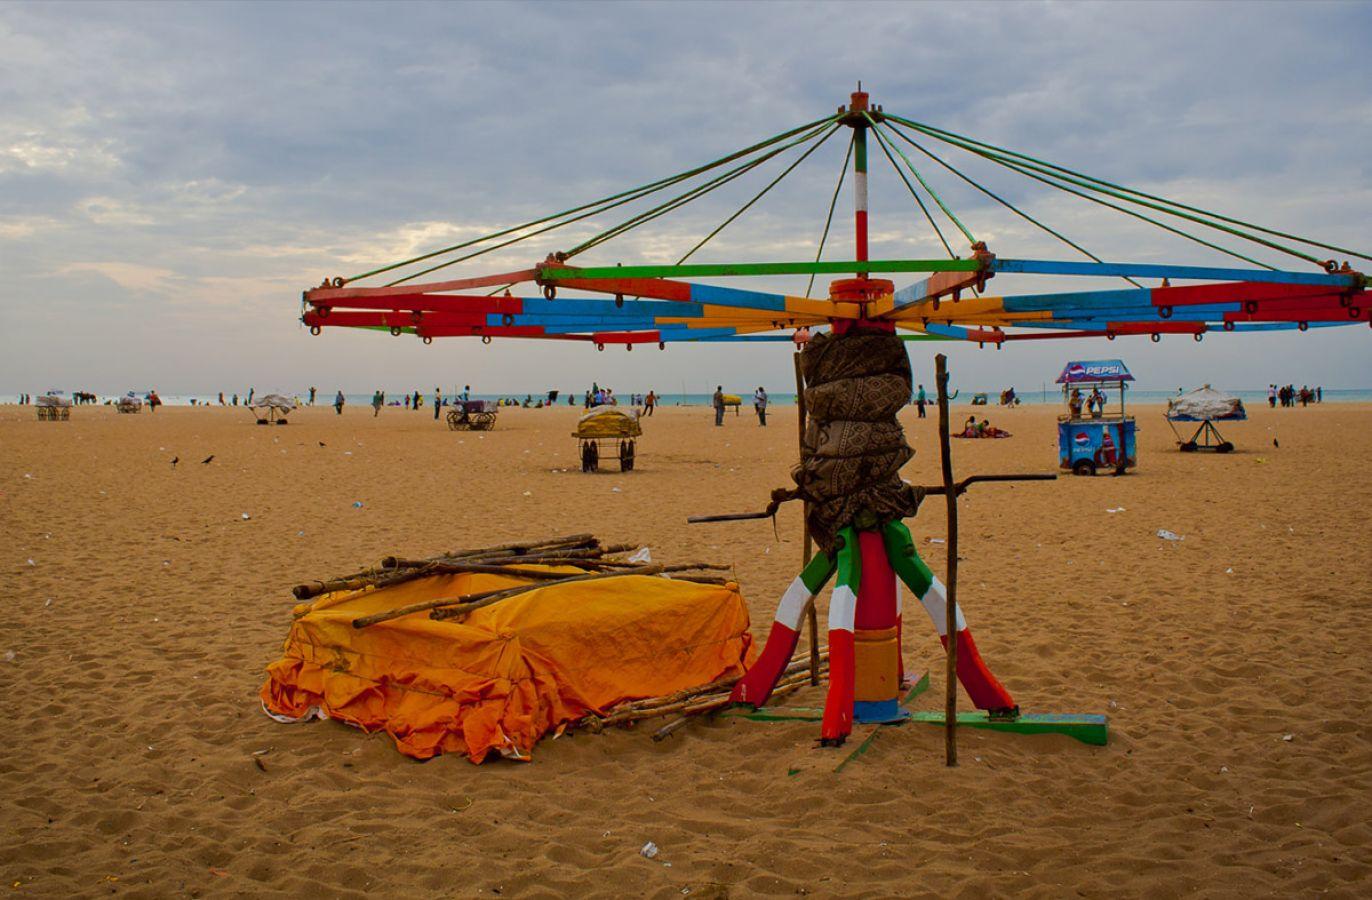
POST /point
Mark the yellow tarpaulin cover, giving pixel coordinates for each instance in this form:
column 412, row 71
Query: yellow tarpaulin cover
column 511, row 672
column 608, row 422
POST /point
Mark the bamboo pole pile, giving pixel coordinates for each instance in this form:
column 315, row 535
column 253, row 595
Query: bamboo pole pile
column 684, row 704
column 587, row 558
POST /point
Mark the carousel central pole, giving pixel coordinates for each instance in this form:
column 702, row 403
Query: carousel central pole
column 856, row 108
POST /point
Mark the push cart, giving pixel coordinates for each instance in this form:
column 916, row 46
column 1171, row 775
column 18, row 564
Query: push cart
column 472, row 415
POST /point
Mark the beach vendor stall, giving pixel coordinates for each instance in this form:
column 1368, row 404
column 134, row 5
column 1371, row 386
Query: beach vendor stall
column 734, row 400
column 1206, row 406
column 607, row 425
column 130, row 403
column 1088, row 438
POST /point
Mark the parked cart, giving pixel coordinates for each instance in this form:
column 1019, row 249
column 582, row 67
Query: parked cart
column 472, row 415
column 1088, row 437
column 607, row 431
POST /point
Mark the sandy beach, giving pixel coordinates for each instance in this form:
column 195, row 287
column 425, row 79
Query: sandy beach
column 142, row 607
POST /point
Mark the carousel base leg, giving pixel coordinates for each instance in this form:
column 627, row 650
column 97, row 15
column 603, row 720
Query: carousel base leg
column 760, row 680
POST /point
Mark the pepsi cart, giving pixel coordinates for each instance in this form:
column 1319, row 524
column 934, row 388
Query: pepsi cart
column 1093, row 440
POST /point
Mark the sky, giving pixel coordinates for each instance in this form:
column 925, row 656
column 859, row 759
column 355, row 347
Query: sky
column 172, row 176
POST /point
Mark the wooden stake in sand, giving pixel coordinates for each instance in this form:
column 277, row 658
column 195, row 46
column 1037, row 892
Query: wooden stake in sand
column 811, row 615
column 950, row 739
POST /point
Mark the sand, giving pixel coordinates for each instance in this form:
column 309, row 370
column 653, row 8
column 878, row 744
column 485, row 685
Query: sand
column 1234, row 666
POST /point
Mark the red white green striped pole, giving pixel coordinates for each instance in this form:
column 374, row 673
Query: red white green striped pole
column 858, row 106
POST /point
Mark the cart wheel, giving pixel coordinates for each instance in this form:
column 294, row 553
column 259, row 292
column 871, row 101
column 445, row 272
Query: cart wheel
column 626, row 456
column 263, row 422
column 281, row 421
column 1084, row 467
column 1225, row 447
column 1188, row 447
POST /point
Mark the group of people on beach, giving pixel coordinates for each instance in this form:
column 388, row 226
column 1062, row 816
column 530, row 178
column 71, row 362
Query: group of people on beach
column 1094, row 402
column 1288, row 396
column 604, row 396
column 760, row 402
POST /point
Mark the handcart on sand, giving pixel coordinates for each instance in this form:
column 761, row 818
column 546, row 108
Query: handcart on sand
column 607, row 429
column 472, row 415
column 1096, row 440
column 1206, row 406
column 129, row 404
column 53, row 407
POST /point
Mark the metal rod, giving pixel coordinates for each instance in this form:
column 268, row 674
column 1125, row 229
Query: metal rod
column 811, row 615
column 950, row 735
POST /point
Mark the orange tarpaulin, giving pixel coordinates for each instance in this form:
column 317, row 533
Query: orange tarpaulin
column 512, row 671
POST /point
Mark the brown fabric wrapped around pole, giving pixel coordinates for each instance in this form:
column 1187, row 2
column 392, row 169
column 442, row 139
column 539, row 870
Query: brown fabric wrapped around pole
column 853, row 448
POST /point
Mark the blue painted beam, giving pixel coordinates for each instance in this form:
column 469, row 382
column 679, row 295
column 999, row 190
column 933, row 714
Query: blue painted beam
column 1151, row 270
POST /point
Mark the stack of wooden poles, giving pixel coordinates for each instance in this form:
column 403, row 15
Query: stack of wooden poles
column 593, row 559
column 684, row 704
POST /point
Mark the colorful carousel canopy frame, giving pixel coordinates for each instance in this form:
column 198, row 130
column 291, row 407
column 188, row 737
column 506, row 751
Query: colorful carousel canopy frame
column 857, row 375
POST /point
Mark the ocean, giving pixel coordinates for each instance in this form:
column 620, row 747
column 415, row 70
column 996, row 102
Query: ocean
column 964, row 396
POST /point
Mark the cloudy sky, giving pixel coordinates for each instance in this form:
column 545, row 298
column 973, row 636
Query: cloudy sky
column 173, row 175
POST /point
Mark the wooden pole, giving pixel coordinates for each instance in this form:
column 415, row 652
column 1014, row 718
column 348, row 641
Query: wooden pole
column 950, row 734
column 811, row 616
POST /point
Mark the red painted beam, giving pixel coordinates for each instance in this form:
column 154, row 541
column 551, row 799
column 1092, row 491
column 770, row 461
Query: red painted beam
column 430, row 302
column 1155, row 328
column 655, row 288
column 401, row 319
column 626, row 337
column 323, row 293
column 1237, row 291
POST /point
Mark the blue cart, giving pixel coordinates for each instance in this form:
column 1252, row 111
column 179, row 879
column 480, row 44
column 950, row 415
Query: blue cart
column 1089, row 438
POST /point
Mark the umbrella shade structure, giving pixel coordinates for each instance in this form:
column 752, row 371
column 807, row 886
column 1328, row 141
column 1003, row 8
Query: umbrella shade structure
column 1206, row 406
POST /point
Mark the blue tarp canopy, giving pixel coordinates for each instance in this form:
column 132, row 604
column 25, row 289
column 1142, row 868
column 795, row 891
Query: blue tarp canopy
column 1086, row 370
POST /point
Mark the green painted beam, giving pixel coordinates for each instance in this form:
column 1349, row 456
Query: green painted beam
column 706, row 270
column 916, row 689
column 1087, row 728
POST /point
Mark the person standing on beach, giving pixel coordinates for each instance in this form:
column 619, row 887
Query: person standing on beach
column 221, row 398
column 1319, row 394
column 921, row 398
column 719, row 406
column 1272, row 396
column 438, row 401
column 338, row 402
column 311, row 396
column 649, row 403
column 376, row 404
column 760, row 405
column 235, row 399
column 251, row 391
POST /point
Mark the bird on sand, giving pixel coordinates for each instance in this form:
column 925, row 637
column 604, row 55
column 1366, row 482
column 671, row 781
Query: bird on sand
column 206, row 460
column 175, row 460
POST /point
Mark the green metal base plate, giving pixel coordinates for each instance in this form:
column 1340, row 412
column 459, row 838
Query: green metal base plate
column 1085, row 727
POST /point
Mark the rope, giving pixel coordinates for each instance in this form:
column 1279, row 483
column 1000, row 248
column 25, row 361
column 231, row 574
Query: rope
column 640, row 191
column 833, row 202
column 881, row 140
column 594, row 212
column 932, row 193
column 939, row 132
column 1016, row 167
column 760, row 194
column 693, row 194
column 1023, row 168
column 1002, row 201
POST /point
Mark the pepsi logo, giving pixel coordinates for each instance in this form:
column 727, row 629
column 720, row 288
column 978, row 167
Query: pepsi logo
column 1082, row 439
column 1076, row 370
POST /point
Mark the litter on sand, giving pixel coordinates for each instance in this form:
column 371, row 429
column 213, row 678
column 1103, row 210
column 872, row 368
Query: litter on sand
column 1169, row 535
